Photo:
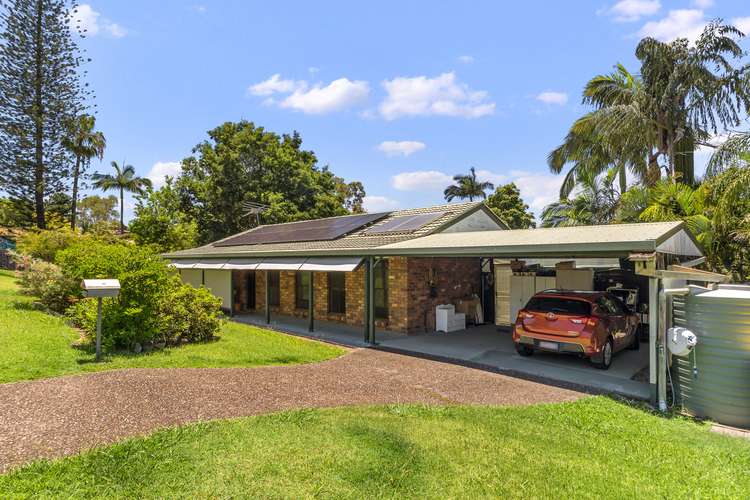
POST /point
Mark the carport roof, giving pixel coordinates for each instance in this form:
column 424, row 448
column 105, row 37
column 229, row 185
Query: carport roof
column 613, row 240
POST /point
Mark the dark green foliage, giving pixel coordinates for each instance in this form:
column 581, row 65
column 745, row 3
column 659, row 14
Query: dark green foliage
column 159, row 221
column 506, row 203
column 153, row 306
column 40, row 92
column 240, row 163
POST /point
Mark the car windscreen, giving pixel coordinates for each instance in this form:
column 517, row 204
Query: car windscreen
column 559, row 305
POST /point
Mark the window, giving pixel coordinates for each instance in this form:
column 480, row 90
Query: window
column 302, row 289
column 559, row 306
column 274, row 292
column 337, row 293
column 380, row 276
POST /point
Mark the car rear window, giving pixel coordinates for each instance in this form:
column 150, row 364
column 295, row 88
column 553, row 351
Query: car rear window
column 559, row 306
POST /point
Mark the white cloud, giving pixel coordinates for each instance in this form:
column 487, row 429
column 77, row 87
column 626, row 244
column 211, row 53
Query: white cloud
column 537, row 189
column 275, row 84
column 742, row 24
column 115, row 30
column 680, row 23
column 336, row 96
column 404, row 148
column 88, row 22
column 466, row 59
column 633, row 10
column 495, row 178
column 549, row 97
column 442, row 95
column 421, row 180
column 200, row 9
column 375, row 204
column 703, row 4
column 162, row 169
column 313, row 70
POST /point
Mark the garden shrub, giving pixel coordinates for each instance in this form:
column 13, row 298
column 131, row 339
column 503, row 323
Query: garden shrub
column 45, row 244
column 189, row 314
column 45, row 281
column 153, row 306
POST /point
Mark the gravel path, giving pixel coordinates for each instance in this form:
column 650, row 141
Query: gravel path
column 61, row 416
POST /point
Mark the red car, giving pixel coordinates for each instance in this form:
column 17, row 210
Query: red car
column 590, row 324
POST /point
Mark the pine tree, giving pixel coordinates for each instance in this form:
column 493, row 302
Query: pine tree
column 40, row 91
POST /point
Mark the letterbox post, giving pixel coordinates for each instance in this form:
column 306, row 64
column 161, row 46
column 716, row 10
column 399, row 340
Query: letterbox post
column 99, row 329
column 100, row 288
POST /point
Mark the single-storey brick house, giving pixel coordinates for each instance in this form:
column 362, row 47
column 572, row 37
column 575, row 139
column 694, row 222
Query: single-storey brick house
column 278, row 264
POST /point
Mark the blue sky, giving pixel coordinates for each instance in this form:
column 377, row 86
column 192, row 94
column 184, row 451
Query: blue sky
column 399, row 95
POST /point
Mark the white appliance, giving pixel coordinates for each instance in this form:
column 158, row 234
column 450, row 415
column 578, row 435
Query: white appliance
column 447, row 320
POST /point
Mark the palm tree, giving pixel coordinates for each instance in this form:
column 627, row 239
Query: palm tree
column 595, row 203
column 591, row 148
column 84, row 144
column 124, row 180
column 467, row 186
column 685, row 93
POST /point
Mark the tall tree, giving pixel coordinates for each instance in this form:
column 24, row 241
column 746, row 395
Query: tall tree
column 241, row 162
column 507, row 204
column 467, row 186
column 40, row 91
column 84, row 144
column 593, row 149
column 686, row 93
column 123, row 180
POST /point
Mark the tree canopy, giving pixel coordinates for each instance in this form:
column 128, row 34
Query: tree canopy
column 506, row 203
column 40, row 92
column 240, row 163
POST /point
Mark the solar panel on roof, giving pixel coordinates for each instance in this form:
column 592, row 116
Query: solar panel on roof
column 405, row 223
column 313, row 230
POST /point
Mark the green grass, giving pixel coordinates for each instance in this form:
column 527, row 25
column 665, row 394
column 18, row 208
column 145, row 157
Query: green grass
column 595, row 448
column 37, row 345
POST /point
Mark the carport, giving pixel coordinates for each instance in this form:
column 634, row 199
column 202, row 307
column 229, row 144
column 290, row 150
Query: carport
column 662, row 252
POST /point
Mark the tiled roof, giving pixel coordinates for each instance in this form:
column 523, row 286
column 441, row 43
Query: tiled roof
column 357, row 239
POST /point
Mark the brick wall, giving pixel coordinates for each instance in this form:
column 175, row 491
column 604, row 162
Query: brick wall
column 411, row 309
column 453, row 279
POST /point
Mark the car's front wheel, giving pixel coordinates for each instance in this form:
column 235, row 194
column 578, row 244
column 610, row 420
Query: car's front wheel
column 524, row 350
column 603, row 360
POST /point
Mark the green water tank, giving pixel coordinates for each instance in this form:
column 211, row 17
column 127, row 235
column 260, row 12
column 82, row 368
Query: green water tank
column 714, row 380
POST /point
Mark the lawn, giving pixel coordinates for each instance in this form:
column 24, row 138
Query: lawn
column 37, row 345
column 594, row 448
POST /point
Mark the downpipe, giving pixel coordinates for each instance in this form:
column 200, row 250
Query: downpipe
column 665, row 321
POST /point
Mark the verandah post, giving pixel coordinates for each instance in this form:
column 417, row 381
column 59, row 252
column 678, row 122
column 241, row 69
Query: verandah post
column 268, row 297
column 310, row 305
column 366, row 305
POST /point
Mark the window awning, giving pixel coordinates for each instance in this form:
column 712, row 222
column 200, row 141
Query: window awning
column 342, row 264
column 184, row 264
column 242, row 264
column 282, row 264
column 346, row 264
